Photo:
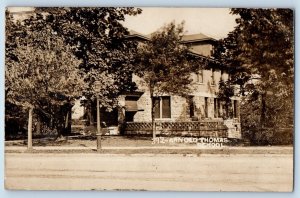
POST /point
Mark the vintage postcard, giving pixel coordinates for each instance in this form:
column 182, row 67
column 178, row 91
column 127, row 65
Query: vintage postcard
column 149, row 99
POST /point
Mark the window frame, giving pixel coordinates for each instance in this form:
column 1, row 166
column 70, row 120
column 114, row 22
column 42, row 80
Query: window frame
column 200, row 75
column 206, row 104
column 161, row 107
column 213, row 77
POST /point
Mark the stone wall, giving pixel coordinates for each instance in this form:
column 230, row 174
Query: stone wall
column 180, row 106
column 144, row 108
column 234, row 128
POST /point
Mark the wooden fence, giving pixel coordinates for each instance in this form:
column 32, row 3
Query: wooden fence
column 167, row 128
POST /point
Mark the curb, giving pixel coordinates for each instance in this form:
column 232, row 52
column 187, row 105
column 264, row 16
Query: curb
column 154, row 150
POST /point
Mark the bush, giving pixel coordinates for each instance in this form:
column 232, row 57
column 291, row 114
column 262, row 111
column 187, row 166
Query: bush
column 270, row 136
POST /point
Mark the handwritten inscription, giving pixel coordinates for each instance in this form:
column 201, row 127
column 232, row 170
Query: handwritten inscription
column 213, row 142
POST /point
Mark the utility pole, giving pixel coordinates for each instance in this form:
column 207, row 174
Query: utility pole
column 29, row 135
column 97, row 83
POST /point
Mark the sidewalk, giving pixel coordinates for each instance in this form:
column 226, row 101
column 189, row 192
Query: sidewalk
column 154, row 149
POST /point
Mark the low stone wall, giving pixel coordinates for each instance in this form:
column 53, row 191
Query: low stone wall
column 193, row 128
column 234, row 128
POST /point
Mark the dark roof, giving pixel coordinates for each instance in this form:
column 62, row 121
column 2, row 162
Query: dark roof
column 185, row 39
column 196, row 37
column 133, row 34
column 192, row 38
column 195, row 53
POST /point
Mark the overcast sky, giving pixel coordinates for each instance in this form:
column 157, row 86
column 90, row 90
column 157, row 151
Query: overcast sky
column 214, row 22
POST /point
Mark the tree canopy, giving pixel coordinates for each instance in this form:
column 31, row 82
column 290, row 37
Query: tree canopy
column 41, row 72
column 259, row 54
column 164, row 61
column 98, row 39
column 164, row 64
column 58, row 55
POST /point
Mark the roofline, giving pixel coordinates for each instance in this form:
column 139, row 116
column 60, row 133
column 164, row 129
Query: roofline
column 202, row 56
column 187, row 41
column 138, row 36
column 199, row 40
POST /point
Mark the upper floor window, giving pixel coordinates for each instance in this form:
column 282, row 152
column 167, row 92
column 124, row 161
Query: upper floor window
column 200, row 76
column 212, row 51
column 213, row 81
column 162, row 107
column 222, row 77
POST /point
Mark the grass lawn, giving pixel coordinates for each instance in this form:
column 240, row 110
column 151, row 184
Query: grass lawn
column 90, row 141
column 87, row 144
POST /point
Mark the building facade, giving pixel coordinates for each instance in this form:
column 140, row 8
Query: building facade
column 199, row 114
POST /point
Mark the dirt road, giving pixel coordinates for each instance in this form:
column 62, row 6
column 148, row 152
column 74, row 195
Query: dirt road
column 207, row 172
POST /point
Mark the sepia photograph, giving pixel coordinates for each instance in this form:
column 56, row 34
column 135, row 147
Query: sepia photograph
column 149, row 99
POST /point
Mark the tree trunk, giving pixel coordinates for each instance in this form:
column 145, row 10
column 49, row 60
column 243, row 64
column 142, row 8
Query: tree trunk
column 29, row 136
column 68, row 120
column 152, row 115
column 59, row 122
column 89, row 112
column 98, row 126
column 38, row 126
column 262, row 117
column 121, row 120
column 263, row 111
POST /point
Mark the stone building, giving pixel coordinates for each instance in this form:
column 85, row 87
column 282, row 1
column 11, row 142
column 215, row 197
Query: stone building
column 199, row 114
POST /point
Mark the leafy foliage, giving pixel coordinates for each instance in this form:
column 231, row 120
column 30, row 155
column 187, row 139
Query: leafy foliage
column 41, row 72
column 98, row 38
column 259, row 54
column 60, row 54
column 163, row 62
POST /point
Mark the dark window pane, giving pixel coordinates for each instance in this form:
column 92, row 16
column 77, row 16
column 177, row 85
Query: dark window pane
column 156, row 104
column 191, row 106
column 129, row 116
column 216, row 110
column 166, row 107
column 235, row 108
column 213, row 77
column 206, row 106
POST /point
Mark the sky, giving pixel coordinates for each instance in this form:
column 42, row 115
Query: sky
column 214, row 22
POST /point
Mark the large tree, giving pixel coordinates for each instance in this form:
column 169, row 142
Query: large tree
column 259, row 54
column 41, row 73
column 164, row 64
column 98, row 38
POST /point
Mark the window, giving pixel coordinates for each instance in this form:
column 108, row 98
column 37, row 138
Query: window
column 212, row 51
column 200, row 76
column 206, row 106
column 222, row 73
column 215, row 107
column 162, row 107
column 235, row 109
column 129, row 116
column 191, row 106
column 213, row 77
